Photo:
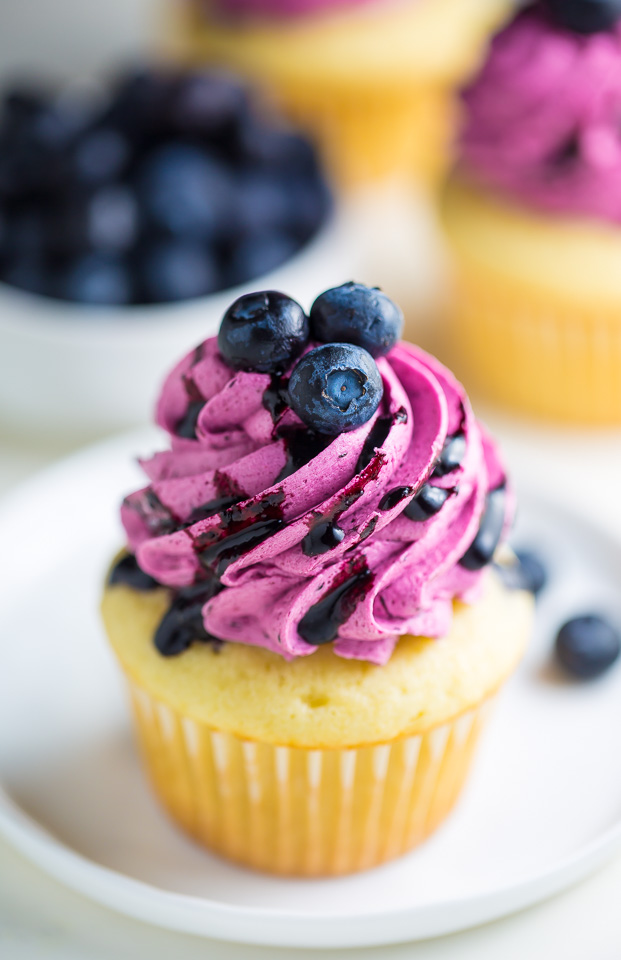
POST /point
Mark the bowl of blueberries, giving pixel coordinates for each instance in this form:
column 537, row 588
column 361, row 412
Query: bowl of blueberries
column 129, row 220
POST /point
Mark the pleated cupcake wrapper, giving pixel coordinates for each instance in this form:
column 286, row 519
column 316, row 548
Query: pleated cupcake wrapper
column 303, row 812
column 546, row 356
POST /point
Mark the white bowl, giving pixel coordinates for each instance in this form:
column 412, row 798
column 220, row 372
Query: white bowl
column 71, row 370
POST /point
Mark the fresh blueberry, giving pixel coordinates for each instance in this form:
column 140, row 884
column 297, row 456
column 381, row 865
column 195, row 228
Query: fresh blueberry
column 530, row 572
column 357, row 314
column 263, row 331
column 136, row 103
column 482, row 549
column 261, row 204
column 113, row 218
column 335, row 388
column 26, row 273
column 274, row 148
column 587, row 646
column 101, row 156
column 178, row 270
column 27, row 229
column 206, row 104
column 310, row 206
column 184, row 191
column 96, row 279
column 258, row 255
column 585, row 16
column 427, row 502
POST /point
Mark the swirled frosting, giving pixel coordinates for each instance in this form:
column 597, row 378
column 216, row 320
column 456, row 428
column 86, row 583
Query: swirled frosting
column 247, row 500
column 543, row 118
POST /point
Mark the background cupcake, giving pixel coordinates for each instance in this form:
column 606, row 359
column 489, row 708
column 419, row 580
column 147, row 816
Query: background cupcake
column 533, row 214
column 302, row 535
column 372, row 81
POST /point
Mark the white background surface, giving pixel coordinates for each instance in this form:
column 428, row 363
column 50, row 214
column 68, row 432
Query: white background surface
column 40, row 919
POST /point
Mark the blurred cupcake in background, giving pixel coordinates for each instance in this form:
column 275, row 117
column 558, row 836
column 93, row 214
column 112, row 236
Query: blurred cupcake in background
column 533, row 215
column 126, row 221
column 371, row 80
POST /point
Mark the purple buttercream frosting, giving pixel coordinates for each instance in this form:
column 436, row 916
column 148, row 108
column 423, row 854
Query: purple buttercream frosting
column 404, row 574
column 543, row 118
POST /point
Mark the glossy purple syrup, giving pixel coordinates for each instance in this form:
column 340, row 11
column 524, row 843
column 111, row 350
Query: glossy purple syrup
column 322, row 537
column 186, row 426
column 182, row 624
column 482, row 549
column 276, row 397
column 210, row 509
column 453, row 452
column 321, row 622
column 242, row 527
column 368, row 530
column 377, row 436
column 126, row 571
column 301, row 446
column 158, row 519
column 394, row 497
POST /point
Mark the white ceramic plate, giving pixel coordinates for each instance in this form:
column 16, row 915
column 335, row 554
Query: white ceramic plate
column 542, row 809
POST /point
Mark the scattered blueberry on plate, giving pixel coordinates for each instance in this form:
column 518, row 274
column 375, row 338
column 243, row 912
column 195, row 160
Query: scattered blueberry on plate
column 528, row 572
column 587, row 646
column 173, row 188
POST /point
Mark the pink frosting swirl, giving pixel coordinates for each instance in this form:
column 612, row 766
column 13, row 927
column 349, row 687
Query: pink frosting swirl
column 264, row 9
column 543, row 118
column 240, row 495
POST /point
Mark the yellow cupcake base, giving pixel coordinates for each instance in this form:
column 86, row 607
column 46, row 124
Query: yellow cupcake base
column 534, row 320
column 373, row 87
column 301, row 812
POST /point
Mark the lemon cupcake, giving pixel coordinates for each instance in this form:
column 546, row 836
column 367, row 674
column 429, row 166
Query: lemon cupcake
column 307, row 614
column 372, row 80
column 533, row 215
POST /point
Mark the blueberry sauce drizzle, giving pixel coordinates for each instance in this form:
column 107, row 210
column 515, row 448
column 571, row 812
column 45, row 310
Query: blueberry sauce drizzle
column 186, row 426
column 158, row 519
column 182, row 624
column 126, row 571
column 241, row 528
column 377, row 436
column 453, row 452
column 276, row 397
column 322, row 537
column 481, row 550
column 394, row 497
column 428, row 501
column 321, row 622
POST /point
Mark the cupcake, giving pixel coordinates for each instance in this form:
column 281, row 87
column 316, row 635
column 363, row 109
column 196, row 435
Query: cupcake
column 533, row 216
column 371, row 81
column 307, row 612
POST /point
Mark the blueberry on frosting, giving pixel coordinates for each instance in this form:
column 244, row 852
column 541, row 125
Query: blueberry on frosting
column 263, row 331
column 584, row 16
column 353, row 313
column 335, row 388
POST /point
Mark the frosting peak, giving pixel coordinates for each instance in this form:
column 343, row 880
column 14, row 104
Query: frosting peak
column 542, row 118
column 303, row 539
